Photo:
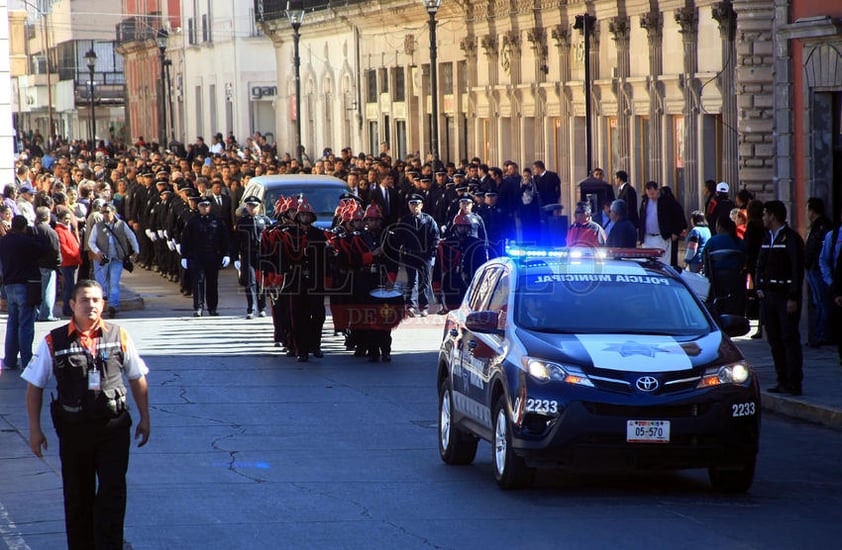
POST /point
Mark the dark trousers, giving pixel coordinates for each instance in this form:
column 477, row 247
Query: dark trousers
column 379, row 342
column 253, row 295
column 204, row 273
column 308, row 318
column 68, row 275
column 784, row 338
column 281, row 319
column 94, row 461
column 418, row 280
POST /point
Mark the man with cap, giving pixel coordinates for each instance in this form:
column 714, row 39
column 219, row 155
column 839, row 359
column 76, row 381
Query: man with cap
column 135, row 215
column 584, row 231
column 26, row 203
column 720, row 206
column 204, row 249
column 249, row 231
column 418, row 235
column 111, row 241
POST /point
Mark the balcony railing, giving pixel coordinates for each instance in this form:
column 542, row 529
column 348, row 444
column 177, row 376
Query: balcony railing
column 268, row 10
column 136, row 29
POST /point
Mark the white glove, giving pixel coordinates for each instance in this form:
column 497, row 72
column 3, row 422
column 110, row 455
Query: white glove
column 184, row 263
column 171, row 245
column 237, row 264
column 152, row 235
column 225, row 261
column 178, row 248
column 166, row 234
column 148, row 233
column 160, row 233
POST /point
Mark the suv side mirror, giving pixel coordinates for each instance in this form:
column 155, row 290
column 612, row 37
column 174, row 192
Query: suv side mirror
column 483, row 322
column 734, row 325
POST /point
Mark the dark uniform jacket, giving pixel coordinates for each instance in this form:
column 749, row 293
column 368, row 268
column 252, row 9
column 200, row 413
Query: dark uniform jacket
column 249, row 232
column 418, row 236
column 815, row 240
column 204, row 237
column 780, row 264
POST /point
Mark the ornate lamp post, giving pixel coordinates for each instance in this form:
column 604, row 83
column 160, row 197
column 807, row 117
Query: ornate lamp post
column 90, row 60
column 296, row 18
column 161, row 40
column 432, row 7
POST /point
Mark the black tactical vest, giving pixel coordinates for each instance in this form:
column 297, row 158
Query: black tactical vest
column 71, row 363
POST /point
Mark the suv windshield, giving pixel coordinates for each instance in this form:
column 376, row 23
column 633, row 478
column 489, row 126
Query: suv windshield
column 607, row 303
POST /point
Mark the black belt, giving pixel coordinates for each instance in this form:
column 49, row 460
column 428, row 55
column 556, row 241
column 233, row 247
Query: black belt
column 653, row 234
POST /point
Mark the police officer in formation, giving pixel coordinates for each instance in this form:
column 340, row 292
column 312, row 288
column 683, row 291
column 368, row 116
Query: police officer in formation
column 204, row 249
column 250, row 228
column 418, row 234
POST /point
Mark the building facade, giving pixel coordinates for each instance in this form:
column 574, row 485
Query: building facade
column 511, row 85
column 808, row 106
column 225, row 80
column 143, row 41
column 56, row 90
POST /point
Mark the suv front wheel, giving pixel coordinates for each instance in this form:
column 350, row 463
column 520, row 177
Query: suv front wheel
column 455, row 446
column 510, row 470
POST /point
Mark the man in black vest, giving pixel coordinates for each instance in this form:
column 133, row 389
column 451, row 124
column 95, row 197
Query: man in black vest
column 88, row 358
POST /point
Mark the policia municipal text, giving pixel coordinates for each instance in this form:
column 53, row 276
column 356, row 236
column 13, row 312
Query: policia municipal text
column 88, row 358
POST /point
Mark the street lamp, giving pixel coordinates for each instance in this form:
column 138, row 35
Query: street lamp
column 296, row 17
column 432, row 7
column 90, row 60
column 161, row 41
column 585, row 23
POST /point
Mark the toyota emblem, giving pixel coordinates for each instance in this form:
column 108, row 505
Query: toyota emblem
column 647, row 383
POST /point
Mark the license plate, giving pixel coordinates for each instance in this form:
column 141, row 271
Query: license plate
column 648, row 431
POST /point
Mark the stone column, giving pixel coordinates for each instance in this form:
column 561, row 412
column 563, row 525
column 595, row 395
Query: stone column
column 688, row 23
column 619, row 28
column 468, row 45
column 724, row 13
column 561, row 35
column 755, row 79
column 653, row 22
column 537, row 38
column 784, row 139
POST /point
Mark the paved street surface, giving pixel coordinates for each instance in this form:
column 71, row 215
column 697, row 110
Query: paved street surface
column 253, row 450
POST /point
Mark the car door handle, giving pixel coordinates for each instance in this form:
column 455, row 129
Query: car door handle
column 472, row 344
column 454, row 333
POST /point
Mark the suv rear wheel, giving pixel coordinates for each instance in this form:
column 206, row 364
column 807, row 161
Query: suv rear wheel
column 510, row 470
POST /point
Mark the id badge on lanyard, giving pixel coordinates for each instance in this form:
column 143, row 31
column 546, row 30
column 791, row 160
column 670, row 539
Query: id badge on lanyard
column 94, row 375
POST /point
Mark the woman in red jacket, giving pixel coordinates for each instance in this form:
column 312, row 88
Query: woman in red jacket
column 71, row 257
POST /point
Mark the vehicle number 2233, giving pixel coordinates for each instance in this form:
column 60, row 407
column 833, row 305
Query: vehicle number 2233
column 743, row 409
column 541, row 406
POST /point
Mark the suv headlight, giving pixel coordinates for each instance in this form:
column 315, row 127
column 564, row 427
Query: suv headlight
column 735, row 373
column 547, row 371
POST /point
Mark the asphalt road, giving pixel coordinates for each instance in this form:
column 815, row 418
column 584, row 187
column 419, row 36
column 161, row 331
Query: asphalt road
column 253, row 450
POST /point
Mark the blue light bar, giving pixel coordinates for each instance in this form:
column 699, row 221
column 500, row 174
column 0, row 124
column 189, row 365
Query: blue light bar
column 520, row 252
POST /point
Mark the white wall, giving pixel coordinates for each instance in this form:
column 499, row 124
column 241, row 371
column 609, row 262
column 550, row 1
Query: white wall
column 6, row 129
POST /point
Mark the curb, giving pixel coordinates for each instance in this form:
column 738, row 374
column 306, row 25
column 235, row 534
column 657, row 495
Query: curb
column 801, row 410
column 130, row 300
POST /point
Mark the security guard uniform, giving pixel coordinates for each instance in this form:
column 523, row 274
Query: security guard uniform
column 205, row 247
column 92, row 421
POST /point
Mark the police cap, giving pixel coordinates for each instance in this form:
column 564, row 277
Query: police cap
column 252, row 199
column 204, row 199
column 414, row 198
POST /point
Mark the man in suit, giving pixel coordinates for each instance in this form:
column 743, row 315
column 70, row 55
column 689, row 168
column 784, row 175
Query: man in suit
column 548, row 183
column 221, row 204
column 657, row 224
column 386, row 197
column 628, row 195
column 623, row 234
column 598, row 192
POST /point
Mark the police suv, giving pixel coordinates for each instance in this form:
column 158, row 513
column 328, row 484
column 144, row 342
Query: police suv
column 594, row 357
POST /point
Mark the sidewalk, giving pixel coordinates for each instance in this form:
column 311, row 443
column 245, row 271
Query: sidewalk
column 821, row 401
